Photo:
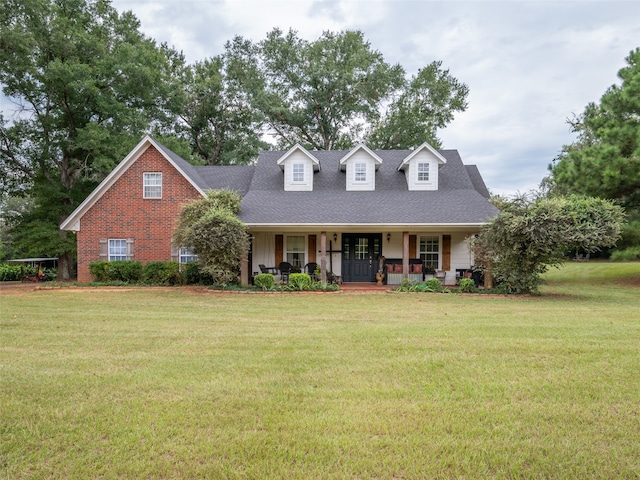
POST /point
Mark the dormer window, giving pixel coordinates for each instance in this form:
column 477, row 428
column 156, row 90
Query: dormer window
column 423, row 172
column 298, row 172
column 360, row 172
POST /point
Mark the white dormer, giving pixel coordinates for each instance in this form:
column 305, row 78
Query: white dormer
column 421, row 168
column 298, row 166
column 361, row 165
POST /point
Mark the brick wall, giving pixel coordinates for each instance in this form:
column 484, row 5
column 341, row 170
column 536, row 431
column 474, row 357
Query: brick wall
column 122, row 213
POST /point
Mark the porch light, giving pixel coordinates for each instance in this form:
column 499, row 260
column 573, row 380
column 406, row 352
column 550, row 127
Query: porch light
column 388, row 237
column 335, row 237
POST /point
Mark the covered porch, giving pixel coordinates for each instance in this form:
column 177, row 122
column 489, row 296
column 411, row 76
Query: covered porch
column 357, row 255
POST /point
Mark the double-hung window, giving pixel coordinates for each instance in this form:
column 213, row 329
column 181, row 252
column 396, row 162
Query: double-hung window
column 295, row 250
column 430, row 252
column 117, row 249
column 360, row 172
column 152, row 185
column 298, row 172
column 423, row 172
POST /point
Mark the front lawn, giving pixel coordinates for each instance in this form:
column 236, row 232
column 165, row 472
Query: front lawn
column 177, row 383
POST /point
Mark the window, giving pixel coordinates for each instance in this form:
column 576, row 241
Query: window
column 298, row 172
column 295, row 251
column 360, row 172
column 152, row 185
column 186, row 255
column 423, row 172
column 430, row 252
column 117, row 249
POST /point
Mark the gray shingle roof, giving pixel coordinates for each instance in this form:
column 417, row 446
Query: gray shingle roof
column 460, row 199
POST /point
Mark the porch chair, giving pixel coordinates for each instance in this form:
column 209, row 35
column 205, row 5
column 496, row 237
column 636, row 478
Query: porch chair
column 271, row 270
column 310, row 268
column 285, row 270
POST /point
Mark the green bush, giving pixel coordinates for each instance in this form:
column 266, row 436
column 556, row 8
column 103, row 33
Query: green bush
column 325, row 287
column 466, row 285
column 162, row 273
column 627, row 255
column 12, row 273
column 299, row 281
column 264, row 280
column 433, row 285
column 124, row 271
column 99, row 271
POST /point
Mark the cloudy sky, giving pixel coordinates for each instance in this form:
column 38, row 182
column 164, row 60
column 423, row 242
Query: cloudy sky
column 529, row 65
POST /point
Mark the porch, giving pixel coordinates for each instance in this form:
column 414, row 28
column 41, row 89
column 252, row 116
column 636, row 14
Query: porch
column 357, row 256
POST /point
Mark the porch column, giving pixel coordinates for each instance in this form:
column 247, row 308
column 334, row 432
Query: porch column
column 244, row 269
column 488, row 276
column 405, row 255
column 323, row 257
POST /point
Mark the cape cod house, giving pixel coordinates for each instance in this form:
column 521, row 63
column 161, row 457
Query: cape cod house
column 341, row 209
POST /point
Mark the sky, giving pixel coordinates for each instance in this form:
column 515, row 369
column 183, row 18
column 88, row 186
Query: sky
column 530, row 65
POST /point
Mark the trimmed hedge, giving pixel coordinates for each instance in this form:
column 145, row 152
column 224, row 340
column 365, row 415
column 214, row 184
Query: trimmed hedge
column 162, row 273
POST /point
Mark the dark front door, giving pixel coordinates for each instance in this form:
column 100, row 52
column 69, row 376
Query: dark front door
column 360, row 252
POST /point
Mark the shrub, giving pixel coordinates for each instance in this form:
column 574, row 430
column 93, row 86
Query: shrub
column 99, row 271
column 162, row 273
column 264, row 280
column 299, row 281
column 12, row 273
column 466, row 285
column 433, row 285
column 124, row 271
column 325, row 287
column 627, row 255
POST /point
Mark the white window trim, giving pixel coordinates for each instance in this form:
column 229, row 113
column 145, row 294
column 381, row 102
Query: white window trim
column 304, row 250
column 145, row 177
column 111, row 245
column 184, row 253
column 357, row 172
column 294, row 166
column 439, row 252
column 428, row 172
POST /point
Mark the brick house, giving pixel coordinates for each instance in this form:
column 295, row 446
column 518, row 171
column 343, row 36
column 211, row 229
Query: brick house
column 341, row 209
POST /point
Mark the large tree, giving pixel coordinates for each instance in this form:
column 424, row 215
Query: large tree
column 215, row 117
column 604, row 161
column 334, row 92
column 86, row 83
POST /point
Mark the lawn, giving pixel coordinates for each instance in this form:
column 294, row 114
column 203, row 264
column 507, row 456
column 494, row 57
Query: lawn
column 177, row 383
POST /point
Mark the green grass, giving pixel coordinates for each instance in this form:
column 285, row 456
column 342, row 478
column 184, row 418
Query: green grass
column 148, row 383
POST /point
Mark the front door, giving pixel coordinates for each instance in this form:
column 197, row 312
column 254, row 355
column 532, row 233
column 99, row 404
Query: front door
column 360, row 252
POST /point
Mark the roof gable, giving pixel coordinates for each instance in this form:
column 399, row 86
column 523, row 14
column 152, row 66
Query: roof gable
column 356, row 149
column 72, row 222
column 424, row 146
column 299, row 148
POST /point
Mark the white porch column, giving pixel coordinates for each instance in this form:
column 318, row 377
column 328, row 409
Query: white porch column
column 405, row 255
column 323, row 257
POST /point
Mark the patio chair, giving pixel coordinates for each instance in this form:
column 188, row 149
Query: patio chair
column 310, row 268
column 285, row 270
column 271, row 270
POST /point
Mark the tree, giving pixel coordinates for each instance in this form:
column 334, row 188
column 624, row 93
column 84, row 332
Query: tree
column 528, row 236
column 211, row 227
column 215, row 117
column 427, row 104
column 86, row 84
column 330, row 93
column 605, row 159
